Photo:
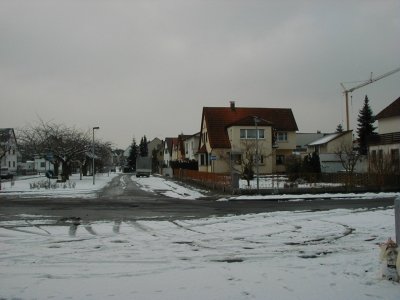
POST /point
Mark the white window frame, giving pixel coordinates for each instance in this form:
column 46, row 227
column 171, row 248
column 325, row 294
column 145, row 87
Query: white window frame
column 244, row 134
column 282, row 137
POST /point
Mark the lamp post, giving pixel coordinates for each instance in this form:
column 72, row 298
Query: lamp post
column 94, row 128
column 256, row 120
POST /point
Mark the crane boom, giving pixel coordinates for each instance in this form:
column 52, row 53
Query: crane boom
column 371, row 80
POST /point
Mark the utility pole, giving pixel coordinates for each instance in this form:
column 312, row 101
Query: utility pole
column 369, row 81
column 94, row 128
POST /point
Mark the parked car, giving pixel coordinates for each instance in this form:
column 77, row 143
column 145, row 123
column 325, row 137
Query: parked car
column 6, row 174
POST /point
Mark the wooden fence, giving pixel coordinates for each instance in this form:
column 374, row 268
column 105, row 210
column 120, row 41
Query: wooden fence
column 209, row 180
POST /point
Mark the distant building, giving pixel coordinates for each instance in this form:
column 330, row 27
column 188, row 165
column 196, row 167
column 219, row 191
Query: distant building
column 303, row 139
column 191, row 146
column 8, row 150
column 327, row 148
column 170, row 150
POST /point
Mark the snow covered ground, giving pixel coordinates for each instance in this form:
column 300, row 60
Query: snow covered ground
column 279, row 182
column 85, row 189
column 167, row 188
column 280, row 255
column 73, row 188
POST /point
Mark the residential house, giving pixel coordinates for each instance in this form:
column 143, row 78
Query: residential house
column 8, row 150
column 327, row 148
column 181, row 150
column 191, row 146
column 154, row 144
column 41, row 165
column 170, row 150
column 303, row 139
column 384, row 148
column 156, row 147
column 230, row 134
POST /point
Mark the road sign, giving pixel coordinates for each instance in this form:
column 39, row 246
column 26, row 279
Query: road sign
column 49, row 156
column 213, row 157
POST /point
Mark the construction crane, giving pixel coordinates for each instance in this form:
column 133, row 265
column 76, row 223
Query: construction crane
column 369, row 81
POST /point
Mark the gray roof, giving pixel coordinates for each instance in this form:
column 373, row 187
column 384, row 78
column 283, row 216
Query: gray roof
column 303, row 139
column 330, row 137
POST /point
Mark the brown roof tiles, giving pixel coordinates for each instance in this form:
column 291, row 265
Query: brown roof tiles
column 219, row 118
column 392, row 110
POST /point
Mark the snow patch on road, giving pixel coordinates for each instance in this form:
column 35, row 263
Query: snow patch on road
column 156, row 184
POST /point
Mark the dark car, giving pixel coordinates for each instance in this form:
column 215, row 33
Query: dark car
column 5, row 174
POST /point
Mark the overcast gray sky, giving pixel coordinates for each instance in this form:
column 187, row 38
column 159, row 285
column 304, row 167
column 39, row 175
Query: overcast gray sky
column 139, row 68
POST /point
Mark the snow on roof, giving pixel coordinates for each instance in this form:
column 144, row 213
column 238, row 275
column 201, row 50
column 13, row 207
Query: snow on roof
column 326, row 139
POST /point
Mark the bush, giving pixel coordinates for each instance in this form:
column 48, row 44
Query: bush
column 45, row 184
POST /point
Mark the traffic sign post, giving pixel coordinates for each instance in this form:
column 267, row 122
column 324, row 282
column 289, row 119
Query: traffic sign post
column 397, row 218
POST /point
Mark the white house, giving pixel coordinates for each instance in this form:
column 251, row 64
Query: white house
column 8, row 150
column 191, row 145
column 327, row 147
column 384, row 148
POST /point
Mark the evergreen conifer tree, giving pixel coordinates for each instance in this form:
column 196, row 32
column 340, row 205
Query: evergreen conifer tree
column 365, row 126
column 133, row 153
column 143, row 147
column 339, row 128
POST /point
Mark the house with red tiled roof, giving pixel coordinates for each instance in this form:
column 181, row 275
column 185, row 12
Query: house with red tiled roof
column 170, row 150
column 229, row 133
column 384, row 148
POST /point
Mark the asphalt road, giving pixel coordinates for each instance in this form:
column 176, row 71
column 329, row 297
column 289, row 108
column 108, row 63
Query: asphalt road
column 128, row 202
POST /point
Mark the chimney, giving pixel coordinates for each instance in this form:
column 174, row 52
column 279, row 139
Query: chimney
column 232, row 103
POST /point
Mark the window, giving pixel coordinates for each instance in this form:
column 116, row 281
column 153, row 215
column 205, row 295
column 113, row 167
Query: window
column 395, row 157
column 380, row 155
column 13, row 164
column 237, row 158
column 280, row 159
column 204, row 159
column 282, row 137
column 373, row 155
column 43, row 165
column 251, row 133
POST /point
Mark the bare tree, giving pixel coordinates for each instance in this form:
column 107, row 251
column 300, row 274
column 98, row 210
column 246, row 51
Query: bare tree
column 349, row 159
column 247, row 161
column 250, row 158
column 66, row 145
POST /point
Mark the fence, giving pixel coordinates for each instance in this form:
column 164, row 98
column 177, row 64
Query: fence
column 209, row 180
column 300, row 183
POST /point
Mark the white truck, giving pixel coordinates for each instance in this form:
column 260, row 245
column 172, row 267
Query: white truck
column 143, row 166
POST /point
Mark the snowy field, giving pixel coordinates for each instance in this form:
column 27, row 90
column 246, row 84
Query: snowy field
column 280, row 255
column 23, row 186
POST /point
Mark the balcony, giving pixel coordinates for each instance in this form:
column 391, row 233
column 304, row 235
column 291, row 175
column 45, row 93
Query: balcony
column 384, row 139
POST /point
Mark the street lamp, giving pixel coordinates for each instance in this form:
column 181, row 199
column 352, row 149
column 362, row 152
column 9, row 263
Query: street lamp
column 94, row 128
column 256, row 121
